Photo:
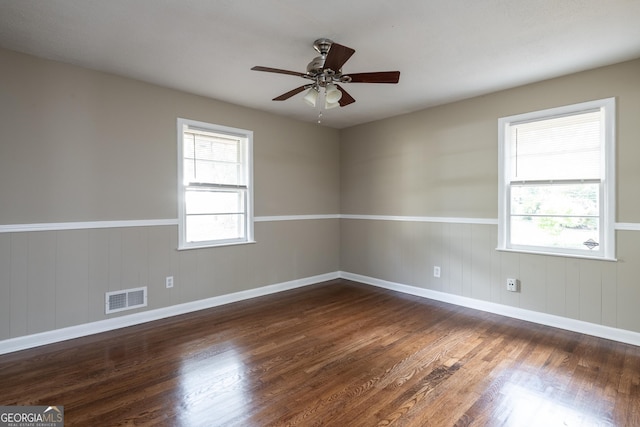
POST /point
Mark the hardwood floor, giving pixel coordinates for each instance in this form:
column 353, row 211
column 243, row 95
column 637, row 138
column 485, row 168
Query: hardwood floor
column 335, row 354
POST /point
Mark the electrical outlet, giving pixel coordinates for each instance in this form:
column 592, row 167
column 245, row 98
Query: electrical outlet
column 436, row 271
column 169, row 282
column 512, row 285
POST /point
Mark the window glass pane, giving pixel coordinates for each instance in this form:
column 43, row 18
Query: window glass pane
column 556, row 232
column 556, row 199
column 188, row 145
column 210, row 148
column 215, row 227
column 212, row 159
column 189, row 171
column 557, row 148
column 203, row 202
column 207, row 171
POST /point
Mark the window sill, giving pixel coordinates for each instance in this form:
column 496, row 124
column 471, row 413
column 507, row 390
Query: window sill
column 523, row 251
column 219, row 245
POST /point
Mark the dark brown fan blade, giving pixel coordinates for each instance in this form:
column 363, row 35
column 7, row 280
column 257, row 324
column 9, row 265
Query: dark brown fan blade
column 346, row 99
column 289, row 94
column 376, row 77
column 337, row 56
column 277, row 70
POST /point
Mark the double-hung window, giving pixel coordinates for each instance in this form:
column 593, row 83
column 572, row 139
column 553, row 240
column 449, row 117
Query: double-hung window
column 557, row 181
column 214, row 185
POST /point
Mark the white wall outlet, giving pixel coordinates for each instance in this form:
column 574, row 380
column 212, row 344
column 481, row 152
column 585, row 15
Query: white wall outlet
column 436, row 271
column 169, row 282
column 512, row 285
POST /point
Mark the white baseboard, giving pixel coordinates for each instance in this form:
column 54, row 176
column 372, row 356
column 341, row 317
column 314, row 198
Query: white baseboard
column 35, row 340
column 49, row 337
column 574, row 325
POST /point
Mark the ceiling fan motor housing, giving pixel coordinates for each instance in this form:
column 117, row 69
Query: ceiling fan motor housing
column 316, row 70
column 316, row 65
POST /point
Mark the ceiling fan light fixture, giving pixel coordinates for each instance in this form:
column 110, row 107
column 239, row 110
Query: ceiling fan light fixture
column 311, row 97
column 329, row 105
column 333, row 95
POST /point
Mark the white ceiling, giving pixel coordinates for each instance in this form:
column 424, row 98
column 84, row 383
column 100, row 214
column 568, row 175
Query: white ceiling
column 446, row 50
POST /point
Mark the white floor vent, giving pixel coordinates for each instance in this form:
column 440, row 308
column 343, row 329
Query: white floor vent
column 125, row 300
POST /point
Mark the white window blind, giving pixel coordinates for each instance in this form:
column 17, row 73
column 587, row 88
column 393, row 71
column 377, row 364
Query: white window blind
column 565, row 147
column 213, row 159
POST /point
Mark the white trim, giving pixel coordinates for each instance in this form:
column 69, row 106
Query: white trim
column 574, row 325
column 629, row 226
column 58, row 226
column 35, row 340
column 295, row 217
column 567, row 255
column 449, row 220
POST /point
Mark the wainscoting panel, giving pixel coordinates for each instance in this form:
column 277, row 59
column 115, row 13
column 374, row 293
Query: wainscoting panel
column 5, row 291
column 57, row 279
column 599, row 292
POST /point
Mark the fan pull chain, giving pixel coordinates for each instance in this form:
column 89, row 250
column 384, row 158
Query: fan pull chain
column 319, row 105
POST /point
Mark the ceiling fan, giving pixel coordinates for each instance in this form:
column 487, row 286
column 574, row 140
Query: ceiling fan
column 325, row 71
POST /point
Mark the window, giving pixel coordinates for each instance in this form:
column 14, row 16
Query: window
column 215, row 192
column 557, row 181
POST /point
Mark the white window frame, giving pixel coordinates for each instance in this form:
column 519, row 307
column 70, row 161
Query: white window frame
column 245, row 135
column 606, row 250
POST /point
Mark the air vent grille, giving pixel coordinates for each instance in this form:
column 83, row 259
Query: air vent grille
column 125, row 300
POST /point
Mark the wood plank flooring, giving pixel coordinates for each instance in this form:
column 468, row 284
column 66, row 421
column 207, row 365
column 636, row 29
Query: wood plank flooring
column 334, row 354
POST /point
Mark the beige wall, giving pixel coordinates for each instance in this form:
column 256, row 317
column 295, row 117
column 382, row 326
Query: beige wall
column 78, row 145
column 442, row 162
